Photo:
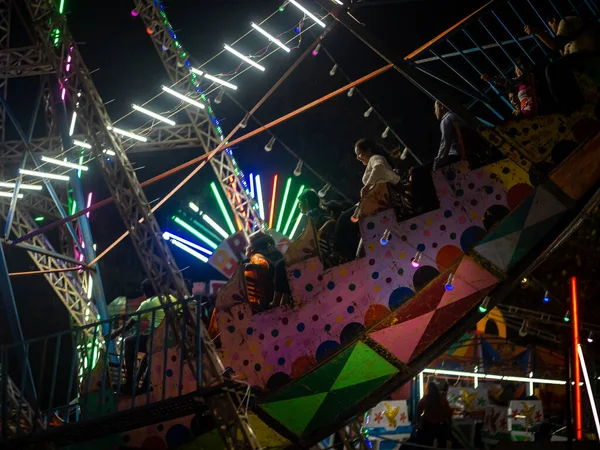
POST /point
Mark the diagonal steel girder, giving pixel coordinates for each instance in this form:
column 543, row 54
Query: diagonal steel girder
column 22, row 62
column 161, row 138
column 243, row 206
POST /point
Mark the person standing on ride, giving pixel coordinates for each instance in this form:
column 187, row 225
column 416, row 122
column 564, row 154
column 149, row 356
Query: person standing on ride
column 379, row 169
column 577, row 41
column 449, row 151
column 435, row 417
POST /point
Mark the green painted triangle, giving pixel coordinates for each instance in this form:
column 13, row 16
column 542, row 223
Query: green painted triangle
column 295, row 414
column 341, row 402
column 530, row 236
column 515, row 221
column 363, row 365
column 319, row 380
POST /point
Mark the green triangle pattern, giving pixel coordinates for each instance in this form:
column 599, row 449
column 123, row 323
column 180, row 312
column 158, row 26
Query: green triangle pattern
column 515, row 221
column 342, row 400
column 363, row 365
column 530, row 236
column 319, row 380
column 295, row 414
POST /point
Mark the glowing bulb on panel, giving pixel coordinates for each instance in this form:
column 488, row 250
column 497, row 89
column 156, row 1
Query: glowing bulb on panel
column 270, row 144
column 416, row 260
column 333, row 70
column 449, row 285
column 298, row 169
column 546, row 297
column 590, row 337
column 324, row 190
column 386, row 237
column 135, row 12
column 315, row 51
column 244, row 122
column 356, row 216
column 484, row 304
column 523, row 329
column 385, row 133
column 368, row 112
column 351, row 92
column 404, row 153
column 567, row 316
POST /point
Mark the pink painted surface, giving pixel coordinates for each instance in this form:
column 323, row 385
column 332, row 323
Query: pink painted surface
column 337, row 304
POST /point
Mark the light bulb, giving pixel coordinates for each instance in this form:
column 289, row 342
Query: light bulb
column 244, row 122
column 356, row 216
column 416, row 260
column 523, row 329
column 484, row 304
column 368, row 112
column 333, row 70
column 219, row 97
column 546, row 297
column 315, row 51
column 324, row 190
column 386, row 237
column 567, row 316
column 270, row 144
column 351, row 92
column 385, row 132
column 449, row 285
column 134, row 12
column 590, row 337
column 404, row 153
column 298, row 169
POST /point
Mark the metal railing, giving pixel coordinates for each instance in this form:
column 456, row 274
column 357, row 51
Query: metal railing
column 77, row 379
column 492, row 42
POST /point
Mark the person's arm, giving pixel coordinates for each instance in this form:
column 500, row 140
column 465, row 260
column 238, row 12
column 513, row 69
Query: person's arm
column 448, row 131
column 421, row 407
column 380, row 173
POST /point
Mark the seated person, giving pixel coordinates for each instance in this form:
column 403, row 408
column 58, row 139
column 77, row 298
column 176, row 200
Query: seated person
column 450, row 146
column 379, row 169
column 138, row 344
column 576, row 40
column 259, row 274
column 310, row 206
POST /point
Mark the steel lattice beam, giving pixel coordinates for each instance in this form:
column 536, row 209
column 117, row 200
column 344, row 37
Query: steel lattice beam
column 22, row 62
column 18, row 405
column 205, row 131
column 4, row 45
column 37, row 204
column 161, row 138
column 67, row 285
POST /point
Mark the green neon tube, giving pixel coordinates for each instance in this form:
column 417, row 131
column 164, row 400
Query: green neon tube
column 61, row 7
column 285, row 197
column 213, row 186
column 195, row 232
column 295, row 228
column 294, row 206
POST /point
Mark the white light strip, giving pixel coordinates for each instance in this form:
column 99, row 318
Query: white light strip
column 259, row 195
column 193, row 207
column 183, row 97
column 307, row 12
column 10, row 195
column 338, row 2
column 73, row 120
column 197, row 71
column 166, row 236
column 244, row 58
column 128, row 134
column 64, row 163
column 269, row 37
column 50, row 176
column 109, row 152
column 189, row 250
column 81, row 144
column 588, row 387
column 31, row 187
column 90, row 287
column 421, row 385
column 215, row 226
column 153, row 115
column 482, row 376
column 221, row 82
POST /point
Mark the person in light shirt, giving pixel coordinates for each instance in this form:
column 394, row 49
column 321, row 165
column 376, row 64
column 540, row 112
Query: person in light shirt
column 449, row 151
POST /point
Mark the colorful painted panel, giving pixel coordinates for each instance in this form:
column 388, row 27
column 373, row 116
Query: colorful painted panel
column 338, row 385
column 388, row 418
column 467, row 399
column 512, row 239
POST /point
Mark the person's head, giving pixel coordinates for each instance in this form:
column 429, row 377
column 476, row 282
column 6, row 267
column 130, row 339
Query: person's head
column 553, row 22
column 147, row 288
column 432, row 390
column 308, row 201
column 365, row 149
column 259, row 242
column 439, row 110
column 514, row 100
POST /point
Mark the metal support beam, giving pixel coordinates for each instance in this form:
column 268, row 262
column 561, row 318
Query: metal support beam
column 22, row 62
column 5, row 10
column 425, row 84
